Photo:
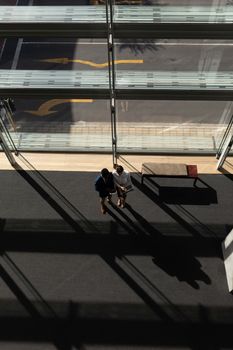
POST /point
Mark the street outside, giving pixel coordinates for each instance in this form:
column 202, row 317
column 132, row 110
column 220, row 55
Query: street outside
column 165, row 118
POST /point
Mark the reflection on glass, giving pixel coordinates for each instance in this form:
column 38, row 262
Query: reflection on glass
column 62, row 125
column 171, row 126
column 122, row 14
column 129, row 80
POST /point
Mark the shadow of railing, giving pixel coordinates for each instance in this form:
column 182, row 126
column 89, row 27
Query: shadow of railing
column 135, row 324
column 117, row 237
column 48, row 198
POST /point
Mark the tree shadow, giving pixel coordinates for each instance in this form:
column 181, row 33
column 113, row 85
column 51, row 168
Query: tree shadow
column 138, row 46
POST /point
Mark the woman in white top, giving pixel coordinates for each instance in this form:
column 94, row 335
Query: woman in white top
column 123, row 184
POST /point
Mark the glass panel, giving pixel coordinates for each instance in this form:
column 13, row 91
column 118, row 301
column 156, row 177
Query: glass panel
column 161, row 56
column 173, row 14
column 63, row 125
column 174, row 80
column 122, row 14
column 53, row 14
column 171, row 126
column 69, row 124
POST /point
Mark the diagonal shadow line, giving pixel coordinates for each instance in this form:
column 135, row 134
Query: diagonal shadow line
column 186, row 212
column 133, row 284
column 229, row 164
column 52, row 188
column 206, row 228
column 49, row 199
column 109, row 259
column 129, row 164
column 154, row 197
column 155, row 288
column 34, row 313
column 158, row 310
column 205, row 183
column 147, row 227
column 226, row 173
column 162, row 245
column 136, row 228
column 124, row 225
column 138, row 184
column 27, row 283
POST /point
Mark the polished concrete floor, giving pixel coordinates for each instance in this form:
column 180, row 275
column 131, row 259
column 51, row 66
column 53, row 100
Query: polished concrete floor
column 150, row 276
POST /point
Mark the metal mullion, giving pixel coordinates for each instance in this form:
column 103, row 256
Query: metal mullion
column 226, row 134
column 111, row 70
column 6, row 131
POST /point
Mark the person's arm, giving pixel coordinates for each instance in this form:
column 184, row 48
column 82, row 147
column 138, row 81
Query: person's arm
column 116, row 178
column 111, row 183
column 128, row 181
column 98, row 185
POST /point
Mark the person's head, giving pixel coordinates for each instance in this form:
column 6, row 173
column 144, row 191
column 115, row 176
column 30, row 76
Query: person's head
column 119, row 169
column 104, row 173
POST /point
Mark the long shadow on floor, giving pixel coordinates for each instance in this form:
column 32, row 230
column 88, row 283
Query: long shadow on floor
column 156, row 199
column 187, row 195
column 172, row 258
column 46, row 327
column 47, row 197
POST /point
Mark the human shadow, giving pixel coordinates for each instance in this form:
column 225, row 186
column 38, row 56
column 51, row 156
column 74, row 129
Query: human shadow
column 172, row 258
column 131, row 227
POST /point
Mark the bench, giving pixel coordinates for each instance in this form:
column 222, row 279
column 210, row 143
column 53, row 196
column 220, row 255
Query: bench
column 169, row 170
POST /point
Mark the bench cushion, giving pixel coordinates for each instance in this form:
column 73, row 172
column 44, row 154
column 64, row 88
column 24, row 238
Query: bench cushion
column 192, row 170
column 164, row 169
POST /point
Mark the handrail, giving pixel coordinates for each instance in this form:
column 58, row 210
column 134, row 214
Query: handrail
column 207, row 22
column 140, row 85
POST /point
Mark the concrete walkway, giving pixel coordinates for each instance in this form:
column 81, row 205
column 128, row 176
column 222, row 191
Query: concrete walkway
column 95, row 162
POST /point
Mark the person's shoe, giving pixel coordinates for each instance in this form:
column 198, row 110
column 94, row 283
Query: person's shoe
column 109, row 198
column 103, row 210
column 119, row 202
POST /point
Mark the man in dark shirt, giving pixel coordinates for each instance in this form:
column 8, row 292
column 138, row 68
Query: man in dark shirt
column 104, row 184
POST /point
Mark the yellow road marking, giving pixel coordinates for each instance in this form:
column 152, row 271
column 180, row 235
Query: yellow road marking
column 66, row 60
column 44, row 109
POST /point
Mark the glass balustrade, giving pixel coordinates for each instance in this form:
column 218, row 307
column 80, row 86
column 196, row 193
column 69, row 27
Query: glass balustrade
column 58, row 98
column 125, row 80
column 171, row 126
column 122, row 14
